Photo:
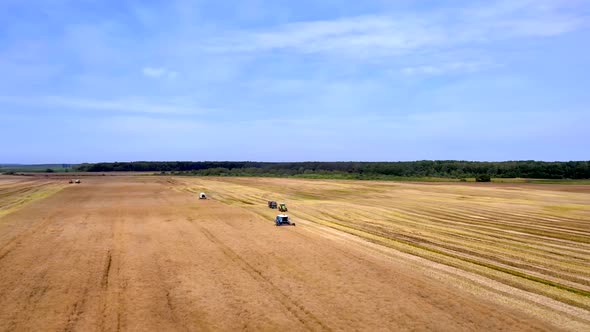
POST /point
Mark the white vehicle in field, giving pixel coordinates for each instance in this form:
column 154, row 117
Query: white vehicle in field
column 202, row 196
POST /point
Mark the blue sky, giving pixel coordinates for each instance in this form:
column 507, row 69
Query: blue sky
column 374, row 80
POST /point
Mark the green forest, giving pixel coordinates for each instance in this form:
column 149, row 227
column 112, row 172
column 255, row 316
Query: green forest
column 357, row 170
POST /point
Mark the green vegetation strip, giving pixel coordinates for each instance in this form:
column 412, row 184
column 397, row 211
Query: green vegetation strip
column 428, row 170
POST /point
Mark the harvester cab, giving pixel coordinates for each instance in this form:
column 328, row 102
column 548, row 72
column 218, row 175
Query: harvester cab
column 283, row 207
column 283, row 219
column 202, row 196
column 272, row 204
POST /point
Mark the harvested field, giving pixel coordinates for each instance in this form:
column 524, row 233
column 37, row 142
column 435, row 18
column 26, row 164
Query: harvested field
column 143, row 253
column 18, row 191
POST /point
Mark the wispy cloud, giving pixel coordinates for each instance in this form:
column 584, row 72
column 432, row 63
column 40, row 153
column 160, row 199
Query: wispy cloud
column 382, row 35
column 159, row 72
column 447, row 68
column 131, row 105
column 362, row 34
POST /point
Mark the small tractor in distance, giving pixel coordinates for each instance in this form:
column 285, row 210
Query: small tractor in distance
column 272, row 204
column 202, row 196
column 283, row 219
column 77, row 181
column 283, row 207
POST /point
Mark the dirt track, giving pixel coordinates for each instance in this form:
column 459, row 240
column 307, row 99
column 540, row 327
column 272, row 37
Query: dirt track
column 133, row 253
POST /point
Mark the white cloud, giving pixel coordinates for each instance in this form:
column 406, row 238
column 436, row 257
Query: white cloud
column 393, row 35
column 130, row 105
column 447, row 68
column 366, row 34
column 159, row 72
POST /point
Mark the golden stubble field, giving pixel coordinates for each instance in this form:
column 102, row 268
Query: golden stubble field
column 142, row 253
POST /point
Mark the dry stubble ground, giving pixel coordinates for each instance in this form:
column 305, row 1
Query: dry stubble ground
column 142, row 253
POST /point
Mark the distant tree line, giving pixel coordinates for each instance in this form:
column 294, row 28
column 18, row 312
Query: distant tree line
column 423, row 168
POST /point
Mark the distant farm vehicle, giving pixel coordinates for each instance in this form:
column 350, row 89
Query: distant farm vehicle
column 283, row 207
column 283, row 219
column 202, row 196
column 77, row 181
column 71, row 181
column 272, row 204
column 483, row 178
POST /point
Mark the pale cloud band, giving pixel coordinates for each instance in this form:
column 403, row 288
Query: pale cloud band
column 159, row 72
column 129, row 105
column 448, row 68
column 386, row 35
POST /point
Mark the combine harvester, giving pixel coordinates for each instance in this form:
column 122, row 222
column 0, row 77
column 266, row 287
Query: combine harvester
column 283, row 219
column 202, row 196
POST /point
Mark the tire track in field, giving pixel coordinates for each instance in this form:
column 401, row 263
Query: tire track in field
column 432, row 234
column 516, row 262
column 490, row 285
column 430, row 253
column 487, row 257
column 489, row 254
column 523, row 221
column 423, row 218
column 13, row 243
column 110, row 305
column 471, row 228
column 304, row 316
column 506, row 220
